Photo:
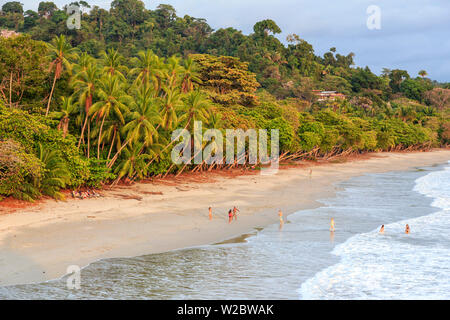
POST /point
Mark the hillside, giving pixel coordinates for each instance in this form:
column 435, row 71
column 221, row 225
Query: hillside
column 80, row 108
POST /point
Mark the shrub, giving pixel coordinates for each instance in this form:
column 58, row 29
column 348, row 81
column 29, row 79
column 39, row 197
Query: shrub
column 32, row 130
column 99, row 173
column 55, row 174
column 18, row 171
column 309, row 140
column 285, row 130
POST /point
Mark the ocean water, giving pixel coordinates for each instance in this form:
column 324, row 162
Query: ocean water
column 394, row 265
column 303, row 260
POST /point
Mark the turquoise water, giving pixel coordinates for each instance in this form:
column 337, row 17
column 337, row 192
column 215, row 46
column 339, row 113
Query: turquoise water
column 303, row 260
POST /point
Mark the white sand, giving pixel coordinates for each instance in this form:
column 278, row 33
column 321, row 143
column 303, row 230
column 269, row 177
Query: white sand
column 39, row 243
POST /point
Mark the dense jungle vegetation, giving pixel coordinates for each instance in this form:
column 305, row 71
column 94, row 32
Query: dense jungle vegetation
column 99, row 105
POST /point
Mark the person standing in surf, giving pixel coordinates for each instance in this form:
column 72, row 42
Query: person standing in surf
column 332, row 225
column 280, row 214
column 407, row 229
column 235, row 210
column 210, row 213
column 230, row 216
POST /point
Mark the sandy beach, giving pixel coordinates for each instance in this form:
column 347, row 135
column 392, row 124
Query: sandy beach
column 39, row 243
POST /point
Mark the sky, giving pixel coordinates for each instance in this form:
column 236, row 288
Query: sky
column 413, row 34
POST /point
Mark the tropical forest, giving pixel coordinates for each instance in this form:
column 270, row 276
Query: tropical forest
column 97, row 106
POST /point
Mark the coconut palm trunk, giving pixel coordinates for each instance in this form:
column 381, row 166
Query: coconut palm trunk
column 82, row 130
column 51, row 94
column 100, row 137
column 113, row 160
column 89, row 139
column 112, row 144
column 88, row 104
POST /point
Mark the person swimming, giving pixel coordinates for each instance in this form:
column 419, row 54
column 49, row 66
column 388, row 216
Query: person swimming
column 382, row 229
column 230, row 216
column 332, row 225
column 210, row 213
column 407, row 229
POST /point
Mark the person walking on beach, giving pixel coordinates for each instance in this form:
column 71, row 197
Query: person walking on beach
column 235, row 210
column 382, row 229
column 210, row 213
column 280, row 214
column 230, row 216
column 407, row 229
column 332, row 225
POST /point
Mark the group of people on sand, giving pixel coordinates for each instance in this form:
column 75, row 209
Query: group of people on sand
column 407, row 229
column 85, row 194
column 232, row 214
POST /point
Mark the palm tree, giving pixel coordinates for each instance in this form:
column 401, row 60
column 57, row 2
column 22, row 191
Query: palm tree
column 83, row 61
column 173, row 71
column 148, row 69
column 60, row 51
column 189, row 75
column 112, row 99
column 406, row 113
column 429, row 111
column 68, row 107
column 142, row 119
column 111, row 134
column 133, row 163
column 84, row 83
column 423, row 73
column 386, row 72
column 197, row 106
column 112, row 63
column 214, row 122
column 55, row 174
column 171, row 102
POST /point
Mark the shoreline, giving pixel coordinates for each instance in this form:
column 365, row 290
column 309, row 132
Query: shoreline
column 38, row 243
